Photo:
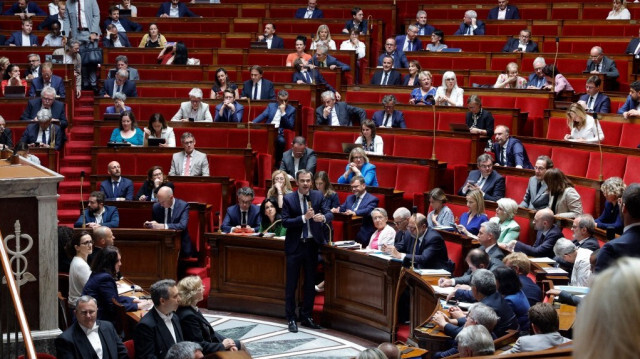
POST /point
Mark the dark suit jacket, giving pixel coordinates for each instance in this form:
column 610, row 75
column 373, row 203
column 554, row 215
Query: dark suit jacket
column 32, row 7
column 608, row 67
column 399, row 59
column 543, row 246
column 330, row 61
column 602, row 103
column 416, row 45
column 227, row 116
column 196, row 328
column 485, row 121
column 151, row 337
column 73, row 343
column 431, row 252
column 512, row 13
column 507, row 318
column 276, row 42
column 590, row 243
column 516, row 154
column 16, row 39
column 30, row 135
column 425, row 30
column 5, row 138
column 535, row 199
column 530, row 289
column 128, row 88
column 397, row 119
column 48, row 21
column 183, row 10
column 124, row 40
column 629, row 104
column 627, row 245
column 38, row 83
column 367, row 204
column 493, row 187
column 286, row 121
column 267, row 92
column 495, row 260
column 513, row 44
column 317, row 13
column 234, row 217
column 633, row 44
column 125, row 189
column 315, row 75
column 179, row 221
column 110, row 218
column 292, row 219
column 127, row 24
column 534, row 80
column 35, row 105
column 307, row 161
column 102, row 286
column 478, row 31
column 394, row 78
column 344, row 113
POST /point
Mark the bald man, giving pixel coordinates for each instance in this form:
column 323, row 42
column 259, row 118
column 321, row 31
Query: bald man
column 102, row 237
column 116, row 188
column 172, row 213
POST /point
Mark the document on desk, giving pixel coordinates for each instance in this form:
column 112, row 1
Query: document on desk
column 434, row 272
column 384, row 256
column 443, row 290
column 123, row 288
column 575, row 290
column 542, row 260
column 552, row 270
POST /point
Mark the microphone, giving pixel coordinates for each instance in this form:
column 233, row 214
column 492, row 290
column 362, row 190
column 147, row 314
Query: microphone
column 261, row 234
column 370, row 23
column 555, row 59
column 415, row 239
column 308, row 200
column 595, row 118
column 433, row 148
column 84, row 219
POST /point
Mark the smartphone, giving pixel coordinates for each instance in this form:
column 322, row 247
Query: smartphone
column 191, row 119
column 430, row 325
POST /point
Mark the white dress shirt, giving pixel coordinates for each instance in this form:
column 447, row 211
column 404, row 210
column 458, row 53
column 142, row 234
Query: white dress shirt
column 167, row 321
column 94, row 338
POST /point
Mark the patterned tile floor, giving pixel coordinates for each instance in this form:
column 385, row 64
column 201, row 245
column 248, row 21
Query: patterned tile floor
column 265, row 339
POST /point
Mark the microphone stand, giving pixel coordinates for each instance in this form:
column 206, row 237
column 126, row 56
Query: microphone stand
column 433, row 149
column 261, row 234
column 249, row 124
column 84, row 219
column 555, row 59
column 597, row 123
column 415, row 243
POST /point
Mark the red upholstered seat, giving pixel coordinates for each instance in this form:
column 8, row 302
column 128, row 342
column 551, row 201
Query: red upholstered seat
column 557, row 128
column 412, row 146
column 525, row 229
column 145, row 161
column 336, row 169
column 323, row 165
column 461, row 155
column 535, row 107
column 613, row 165
column 516, row 187
column 629, row 136
column 386, row 173
column 534, row 151
column 419, row 120
column 131, row 350
column 454, row 252
column 414, row 181
column 324, row 141
column 572, row 162
column 612, row 132
column 444, row 119
column 504, row 120
column 389, row 142
column 498, row 101
column 632, row 170
column 457, row 209
column 588, row 198
column 207, row 193
column 229, row 166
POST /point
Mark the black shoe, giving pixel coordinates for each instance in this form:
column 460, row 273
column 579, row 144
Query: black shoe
column 293, row 327
column 308, row 322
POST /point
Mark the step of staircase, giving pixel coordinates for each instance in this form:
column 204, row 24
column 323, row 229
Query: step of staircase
column 78, row 148
column 69, row 201
column 73, row 187
column 81, row 133
column 76, row 161
column 73, row 173
column 83, row 111
column 83, row 121
column 67, row 217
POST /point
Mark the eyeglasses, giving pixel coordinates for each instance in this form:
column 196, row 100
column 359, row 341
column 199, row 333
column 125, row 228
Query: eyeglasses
column 485, row 166
column 87, row 243
column 87, row 312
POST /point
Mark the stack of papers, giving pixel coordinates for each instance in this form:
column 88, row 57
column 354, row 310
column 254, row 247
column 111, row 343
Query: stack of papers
column 573, row 290
column 433, row 272
column 384, row 256
column 552, row 270
column 542, row 260
column 347, row 244
column 443, row 290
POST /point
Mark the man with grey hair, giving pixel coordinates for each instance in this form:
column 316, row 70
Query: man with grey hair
column 579, row 257
column 323, row 59
column 282, row 115
column 122, row 62
column 484, row 179
column 470, row 25
column 189, row 162
column 584, row 227
column 244, row 216
column 193, row 110
column 159, row 329
column 509, row 151
column 424, row 29
column 600, row 64
column 172, row 213
column 298, row 157
column 537, row 79
column 47, row 100
column 536, row 196
column 410, row 41
column 387, row 76
column 401, row 221
column 257, row 88
column 6, row 141
column 389, row 117
column 43, row 133
column 475, row 341
column 478, row 314
column 185, row 350
column 333, row 113
column 547, row 234
column 120, row 83
column 390, row 49
column 88, row 337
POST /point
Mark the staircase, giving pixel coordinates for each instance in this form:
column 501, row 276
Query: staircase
column 77, row 158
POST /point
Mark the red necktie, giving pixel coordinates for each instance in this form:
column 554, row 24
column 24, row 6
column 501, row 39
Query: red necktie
column 187, row 166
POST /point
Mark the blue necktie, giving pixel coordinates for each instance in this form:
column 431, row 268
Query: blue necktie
column 115, row 189
column 308, row 77
column 305, row 228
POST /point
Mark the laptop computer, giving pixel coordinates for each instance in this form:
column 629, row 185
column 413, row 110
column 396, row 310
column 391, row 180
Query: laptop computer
column 111, row 117
column 14, row 91
column 459, row 127
column 348, row 146
column 257, row 45
column 155, row 142
column 125, row 12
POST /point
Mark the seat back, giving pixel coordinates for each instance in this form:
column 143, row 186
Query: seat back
column 613, row 165
column 412, row 146
column 572, row 162
column 515, row 187
column 632, row 170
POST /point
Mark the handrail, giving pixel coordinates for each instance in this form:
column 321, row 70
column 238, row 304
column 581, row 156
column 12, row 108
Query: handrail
column 17, row 302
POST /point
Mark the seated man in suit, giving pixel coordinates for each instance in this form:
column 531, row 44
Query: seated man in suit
column 504, row 11
column 122, row 24
column 307, row 75
column 547, row 234
column 298, row 157
column 537, row 80
column 55, row 18
column 477, row 119
column 410, row 41
column 273, row 41
column 430, row 251
column 48, row 79
column 244, row 216
column 545, row 324
column 229, row 110
column 43, row 134
column 172, row 213
column 334, row 113
column 114, row 38
column 323, row 59
column 193, row 110
column 631, row 105
column 595, row 101
column 509, row 151
column 6, row 141
column 578, row 259
column 117, row 188
column 257, row 88
column 424, row 29
column 584, row 227
column 360, row 203
column 88, row 336
column 484, row 179
column 521, row 44
column 470, row 25
column 175, row 8
column 600, row 64
column 387, row 76
column 399, row 58
column 47, row 100
column 152, row 336
column 97, row 214
column 282, row 116
column 25, row 9
column 536, row 196
column 389, row 117
column 19, row 38
column 634, row 46
column 401, row 221
column 120, row 84
column 122, row 62
column 309, row 12
column 189, row 162
column 520, row 263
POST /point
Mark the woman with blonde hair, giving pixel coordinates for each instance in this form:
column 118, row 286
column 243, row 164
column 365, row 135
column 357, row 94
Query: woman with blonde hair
column 449, row 94
column 359, row 165
column 425, row 94
column 195, row 327
column 153, row 38
column 440, row 215
column 619, row 11
column 470, row 221
column 564, row 200
column 323, row 36
column 612, row 189
column 582, row 126
column 280, row 185
column 510, row 79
